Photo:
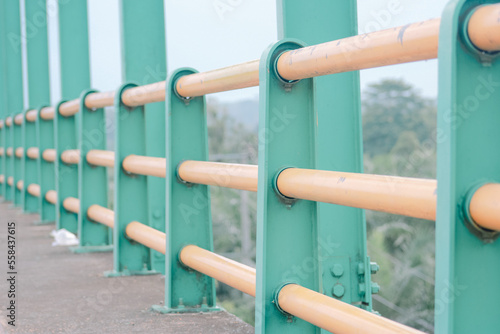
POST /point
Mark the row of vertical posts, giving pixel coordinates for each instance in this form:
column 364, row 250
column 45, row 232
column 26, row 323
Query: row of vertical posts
column 312, row 123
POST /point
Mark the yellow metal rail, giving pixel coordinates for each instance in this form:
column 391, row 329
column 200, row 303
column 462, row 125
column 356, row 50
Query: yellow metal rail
column 101, row 158
column 138, row 164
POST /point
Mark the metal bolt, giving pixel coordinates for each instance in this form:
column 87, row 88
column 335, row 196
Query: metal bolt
column 361, row 268
column 337, row 270
column 157, row 214
column 338, row 290
column 374, row 267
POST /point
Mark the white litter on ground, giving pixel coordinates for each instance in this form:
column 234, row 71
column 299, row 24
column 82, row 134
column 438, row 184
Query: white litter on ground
column 64, row 237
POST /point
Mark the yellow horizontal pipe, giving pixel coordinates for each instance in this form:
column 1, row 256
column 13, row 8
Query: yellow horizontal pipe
column 33, row 153
column 224, row 79
column 484, row 206
column 69, row 108
column 141, row 95
column 10, row 181
column 31, row 115
column 19, row 152
column 484, row 28
column 414, row 42
column 335, row 316
column 51, row 196
column 71, row 157
column 397, row 195
column 2, row 178
column 34, row 190
column 20, row 185
column 2, row 151
column 101, row 158
column 147, row 236
column 100, row 100
column 18, row 120
column 101, row 215
column 236, row 176
column 71, row 204
column 320, row 310
column 138, row 164
column 47, row 113
column 8, row 121
column 232, row 273
column 49, row 155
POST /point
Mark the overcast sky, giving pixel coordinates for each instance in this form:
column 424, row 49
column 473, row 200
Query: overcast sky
column 200, row 37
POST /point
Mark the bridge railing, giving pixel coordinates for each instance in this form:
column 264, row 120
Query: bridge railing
column 64, row 159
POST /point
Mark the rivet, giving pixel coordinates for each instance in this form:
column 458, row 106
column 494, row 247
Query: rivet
column 338, row 290
column 337, row 270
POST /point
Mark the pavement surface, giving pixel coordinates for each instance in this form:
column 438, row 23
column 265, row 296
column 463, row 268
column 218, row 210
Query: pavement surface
column 58, row 291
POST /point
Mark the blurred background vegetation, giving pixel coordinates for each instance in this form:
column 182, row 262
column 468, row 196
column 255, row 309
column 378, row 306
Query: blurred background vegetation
column 399, row 130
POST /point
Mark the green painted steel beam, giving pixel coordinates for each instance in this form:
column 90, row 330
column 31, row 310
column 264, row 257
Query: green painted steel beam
column 14, row 76
column 46, row 169
column 3, row 103
column 467, row 266
column 337, row 101
column 18, row 162
column 189, row 219
column 75, row 78
column 38, row 83
column 287, row 231
column 92, row 180
column 130, row 195
column 144, row 62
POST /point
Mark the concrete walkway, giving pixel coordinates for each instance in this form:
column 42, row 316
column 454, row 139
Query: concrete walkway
column 61, row 292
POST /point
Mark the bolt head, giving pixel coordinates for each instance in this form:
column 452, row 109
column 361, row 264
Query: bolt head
column 375, row 288
column 374, row 267
column 338, row 290
column 337, row 270
column 157, row 214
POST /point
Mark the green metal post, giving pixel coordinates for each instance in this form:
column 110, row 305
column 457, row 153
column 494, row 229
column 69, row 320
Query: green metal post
column 467, row 265
column 9, row 189
column 18, row 161
column 189, row 220
column 340, row 148
column 46, row 169
column 144, row 62
column 65, row 138
column 37, row 59
column 75, row 78
column 3, row 105
column 287, row 231
column 92, row 180
column 130, row 203
column 30, row 171
column 14, row 75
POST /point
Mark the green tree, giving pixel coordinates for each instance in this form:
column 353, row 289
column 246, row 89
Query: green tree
column 399, row 128
column 391, row 107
